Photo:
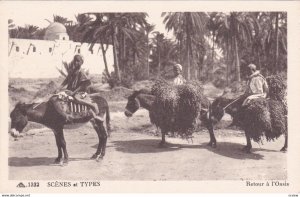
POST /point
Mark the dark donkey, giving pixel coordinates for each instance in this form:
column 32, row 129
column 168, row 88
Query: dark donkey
column 144, row 98
column 257, row 120
column 45, row 113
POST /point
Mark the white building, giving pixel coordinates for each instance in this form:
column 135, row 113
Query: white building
column 40, row 58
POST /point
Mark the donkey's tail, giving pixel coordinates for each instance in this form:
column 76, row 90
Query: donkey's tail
column 108, row 121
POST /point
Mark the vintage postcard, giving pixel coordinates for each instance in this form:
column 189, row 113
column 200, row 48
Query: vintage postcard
column 149, row 96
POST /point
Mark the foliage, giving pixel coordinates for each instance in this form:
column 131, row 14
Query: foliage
column 140, row 52
column 177, row 107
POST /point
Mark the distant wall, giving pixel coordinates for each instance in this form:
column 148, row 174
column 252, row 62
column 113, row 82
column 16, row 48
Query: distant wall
column 39, row 58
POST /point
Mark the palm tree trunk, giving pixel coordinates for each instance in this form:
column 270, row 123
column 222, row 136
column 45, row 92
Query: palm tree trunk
column 148, row 54
column 238, row 72
column 213, row 47
column 159, row 63
column 116, row 62
column 123, row 59
column 104, row 57
column 227, row 66
column 188, row 44
column 276, row 44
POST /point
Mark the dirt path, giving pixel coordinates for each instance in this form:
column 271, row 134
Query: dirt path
column 133, row 154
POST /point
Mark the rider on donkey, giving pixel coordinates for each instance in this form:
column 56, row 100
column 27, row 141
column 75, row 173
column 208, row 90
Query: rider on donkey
column 257, row 86
column 77, row 83
column 178, row 79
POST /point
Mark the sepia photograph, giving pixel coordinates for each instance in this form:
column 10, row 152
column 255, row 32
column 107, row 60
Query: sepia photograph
column 97, row 94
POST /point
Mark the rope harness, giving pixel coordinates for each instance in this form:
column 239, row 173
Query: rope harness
column 224, row 108
column 139, row 105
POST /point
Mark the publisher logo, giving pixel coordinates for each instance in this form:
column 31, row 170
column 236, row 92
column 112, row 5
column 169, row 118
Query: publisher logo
column 21, row 185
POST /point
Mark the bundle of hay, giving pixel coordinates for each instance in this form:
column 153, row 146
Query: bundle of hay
column 178, row 106
column 277, row 87
column 264, row 117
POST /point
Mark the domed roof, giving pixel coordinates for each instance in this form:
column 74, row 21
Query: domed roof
column 56, row 31
column 56, row 28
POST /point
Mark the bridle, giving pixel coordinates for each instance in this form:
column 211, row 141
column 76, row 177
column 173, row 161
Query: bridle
column 224, row 108
column 139, row 105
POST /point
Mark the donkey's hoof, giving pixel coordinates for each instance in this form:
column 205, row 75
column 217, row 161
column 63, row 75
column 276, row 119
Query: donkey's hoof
column 66, row 162
column 162, row 145
column 99, row 158
column 212, row 144
column 246, row 149
column 57, row 161
column 94, row 156
column 284, row 149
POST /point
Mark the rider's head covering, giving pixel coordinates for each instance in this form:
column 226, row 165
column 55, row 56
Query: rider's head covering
column 78, row 57
column 252, row 67
column 178, row 66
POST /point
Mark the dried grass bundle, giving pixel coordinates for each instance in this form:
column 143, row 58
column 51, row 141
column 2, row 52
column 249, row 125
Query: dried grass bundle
column 277, row 87
column 178, row 106
column 264, row 117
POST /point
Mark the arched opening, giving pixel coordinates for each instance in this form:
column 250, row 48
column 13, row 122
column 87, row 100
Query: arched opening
column 17, row 48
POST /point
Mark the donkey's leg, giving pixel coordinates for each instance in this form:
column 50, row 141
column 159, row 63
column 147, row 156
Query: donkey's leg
column 96, row 127
column 59, row 148
column 162, row 143
column 248, row 147
column 284, row 148
column 64, row 146
column 213, row 141
column 103, row 140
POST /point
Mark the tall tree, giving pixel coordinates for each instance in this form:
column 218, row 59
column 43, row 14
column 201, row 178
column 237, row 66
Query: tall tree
column 185, row 25
column 90, row 33
column 235, row 31
column 148, row 29
column 159, row 37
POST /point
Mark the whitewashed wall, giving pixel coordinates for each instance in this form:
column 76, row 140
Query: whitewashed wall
column 42, row 63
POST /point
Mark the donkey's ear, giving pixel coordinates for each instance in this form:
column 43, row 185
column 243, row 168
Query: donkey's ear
column 129, row 93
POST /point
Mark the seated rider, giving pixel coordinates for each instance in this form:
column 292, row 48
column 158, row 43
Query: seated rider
column 76, row 82
column 178, row 79
column 257, row 86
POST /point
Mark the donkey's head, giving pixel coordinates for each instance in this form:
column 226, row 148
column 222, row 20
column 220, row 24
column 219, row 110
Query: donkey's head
column 133, row 104
column 19, row 119
column 217, row 111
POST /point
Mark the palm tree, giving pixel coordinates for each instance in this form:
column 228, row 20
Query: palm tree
column 213, row 25
column 158, row 40
column 270, row 39
column 235, row 31
column 90, row 33
column 164, row 53
column 60, row 19
column 148, row 29
column 185, row 25
column 117, row 29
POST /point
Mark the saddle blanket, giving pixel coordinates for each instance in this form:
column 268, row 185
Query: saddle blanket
column 71, row 104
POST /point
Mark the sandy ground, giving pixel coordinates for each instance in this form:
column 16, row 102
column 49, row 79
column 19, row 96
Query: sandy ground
column 133, row 154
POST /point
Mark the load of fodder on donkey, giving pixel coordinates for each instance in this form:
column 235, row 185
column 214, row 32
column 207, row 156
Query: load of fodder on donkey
column 267, row 116
column 277, row 88
column 177, row 107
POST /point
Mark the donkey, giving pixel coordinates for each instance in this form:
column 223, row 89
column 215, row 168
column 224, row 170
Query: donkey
column 248, row 118
column 144, row 98
column 45, row 113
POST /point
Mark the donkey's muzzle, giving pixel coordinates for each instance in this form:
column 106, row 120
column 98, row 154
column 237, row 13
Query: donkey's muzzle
column 14, row 133
column 127, row 113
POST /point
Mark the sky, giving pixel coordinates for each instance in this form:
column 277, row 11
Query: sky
column 21, row 16
column 38, row 18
